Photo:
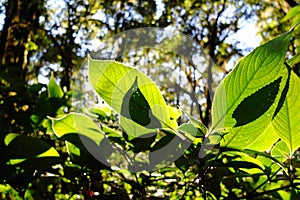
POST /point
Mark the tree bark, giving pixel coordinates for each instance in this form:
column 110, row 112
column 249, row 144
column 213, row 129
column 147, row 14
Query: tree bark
column 21, row 23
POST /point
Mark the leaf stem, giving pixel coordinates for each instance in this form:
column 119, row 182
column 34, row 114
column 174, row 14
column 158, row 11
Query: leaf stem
column 250, row 196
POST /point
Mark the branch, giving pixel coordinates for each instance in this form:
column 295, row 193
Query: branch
column 292, row 3
column 269, row 191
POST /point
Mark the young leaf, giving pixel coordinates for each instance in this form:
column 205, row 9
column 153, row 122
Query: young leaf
column 280, row 151
column 54, row 90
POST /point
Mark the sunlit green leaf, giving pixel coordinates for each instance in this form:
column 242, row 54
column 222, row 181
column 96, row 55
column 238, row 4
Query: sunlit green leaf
column 247, row 98
column 294, row 60
column 136, row 107
column 280, row 151
column 120, row 85
column 174, row 116
column 102, row 110
column 245, row 161
column 293, row 13
column 74, row 123
column 197, row 123
column 283, row 93
column 191, row 130
column 84, row 139
column 30, row 152
column 255, row 105
column 54, row 90
column 286, row 123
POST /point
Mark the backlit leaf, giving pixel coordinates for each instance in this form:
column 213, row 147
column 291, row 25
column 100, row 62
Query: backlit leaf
column 130, row 93
column 30, row 152
column 247, row 98
column 136, row 107
column 84, row 139
column 286, row 122
column 255, row 105
column 54, row 90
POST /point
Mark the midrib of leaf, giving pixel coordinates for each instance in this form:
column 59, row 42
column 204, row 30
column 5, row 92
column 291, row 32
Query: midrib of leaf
column 264, row 134
column 237, row 99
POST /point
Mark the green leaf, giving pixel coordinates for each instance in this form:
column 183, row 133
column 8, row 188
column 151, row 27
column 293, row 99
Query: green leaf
column 103, row 111
column 132, row 129
column 136, row 107
column 85, row 140
column 284, row 92
column 130, row 93
column 30, row 152
column 111, row 132
column 263, row 154
column 280, row 151
column 77, row 123
column 243, row 164
column 8, row 192
column 197, row 123
column 242, row 160
column 294, row 12
column 255, row 105
column 54, row 90
column 191, row 130
column 286, row 122
column 263, row 140
column 175, row 114
column 143, row 143
column 247, row 98
column 260, row 68
column 294, row 60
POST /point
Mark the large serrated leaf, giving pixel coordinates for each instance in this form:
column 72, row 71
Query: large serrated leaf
column 260, row 76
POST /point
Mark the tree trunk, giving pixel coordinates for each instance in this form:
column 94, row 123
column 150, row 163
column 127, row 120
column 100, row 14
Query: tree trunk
column 21, row 23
